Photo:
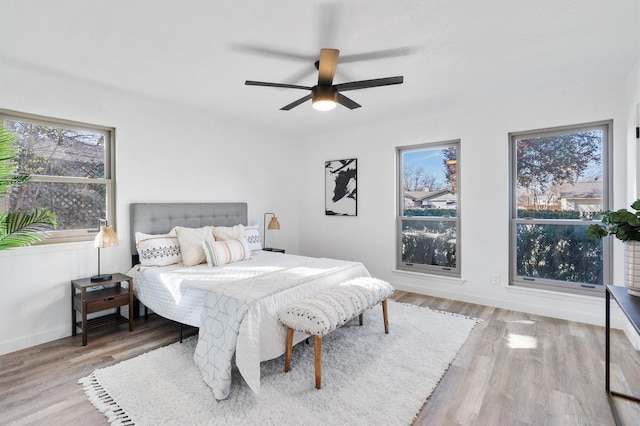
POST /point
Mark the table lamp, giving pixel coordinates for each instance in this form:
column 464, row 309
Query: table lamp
column 273, row 225
column 106, row 237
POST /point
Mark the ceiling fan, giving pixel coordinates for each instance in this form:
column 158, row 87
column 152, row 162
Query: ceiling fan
column 325, row 95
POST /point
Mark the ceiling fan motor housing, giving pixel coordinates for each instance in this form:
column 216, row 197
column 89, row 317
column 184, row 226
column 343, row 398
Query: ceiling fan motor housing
column 324, row 98
column 324, row 93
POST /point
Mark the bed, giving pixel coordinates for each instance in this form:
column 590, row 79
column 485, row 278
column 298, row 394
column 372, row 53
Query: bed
column 234, row 305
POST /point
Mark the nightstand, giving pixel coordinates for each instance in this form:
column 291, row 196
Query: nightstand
column 275, row 250
column 111, row 295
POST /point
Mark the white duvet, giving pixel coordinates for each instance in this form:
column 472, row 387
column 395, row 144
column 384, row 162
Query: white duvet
column 179, row 293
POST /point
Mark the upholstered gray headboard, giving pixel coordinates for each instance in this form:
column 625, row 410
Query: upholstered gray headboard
column 160, row 218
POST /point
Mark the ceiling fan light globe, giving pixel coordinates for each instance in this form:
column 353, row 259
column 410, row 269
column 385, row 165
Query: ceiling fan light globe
column 324, row 104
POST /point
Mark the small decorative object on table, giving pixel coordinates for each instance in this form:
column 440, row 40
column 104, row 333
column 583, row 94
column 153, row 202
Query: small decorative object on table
column 113, row 295
column 625, row 225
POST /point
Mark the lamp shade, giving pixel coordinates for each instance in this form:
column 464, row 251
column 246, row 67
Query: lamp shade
column 107, row 237
column 274, row 224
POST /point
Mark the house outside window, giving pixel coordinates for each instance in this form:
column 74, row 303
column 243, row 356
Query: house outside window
column 428, row 221
column 72, row 173
column 559, row 186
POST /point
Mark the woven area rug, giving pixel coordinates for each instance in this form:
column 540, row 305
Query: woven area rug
column 368, row 378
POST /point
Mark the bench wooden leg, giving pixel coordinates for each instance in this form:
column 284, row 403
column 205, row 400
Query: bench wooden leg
column 288, row 349
column 318, row 354
column 361, row 317
column 384, row 316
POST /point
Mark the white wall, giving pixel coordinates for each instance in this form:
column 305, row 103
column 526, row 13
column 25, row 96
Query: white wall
column 165, row 153
column 632, row 109
column 156, row 142
column 483, row 127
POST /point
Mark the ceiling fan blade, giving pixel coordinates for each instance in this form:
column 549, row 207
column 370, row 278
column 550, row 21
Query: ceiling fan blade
column 264, row 50
column 378, row 54
column 363, row 84
column 327, row 67
column 283, row 85
column 343, row 100
column 296, row 103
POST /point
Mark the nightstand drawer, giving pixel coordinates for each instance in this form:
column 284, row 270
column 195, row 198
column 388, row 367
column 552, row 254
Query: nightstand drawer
column 107, row 302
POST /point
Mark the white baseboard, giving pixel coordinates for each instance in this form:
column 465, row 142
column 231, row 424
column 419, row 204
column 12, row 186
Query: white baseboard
column 593, row 312
column 33, row 340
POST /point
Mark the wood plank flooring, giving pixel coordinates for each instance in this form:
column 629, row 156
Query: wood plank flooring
column 515, row 369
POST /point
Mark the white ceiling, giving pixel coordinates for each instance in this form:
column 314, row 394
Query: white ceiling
column 200, row 52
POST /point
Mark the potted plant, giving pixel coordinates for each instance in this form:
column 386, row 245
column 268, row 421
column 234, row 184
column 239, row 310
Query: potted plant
column 25, row 227
column 625, row 225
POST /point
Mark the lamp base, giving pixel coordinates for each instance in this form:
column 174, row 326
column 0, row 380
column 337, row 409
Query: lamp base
column 100, row 278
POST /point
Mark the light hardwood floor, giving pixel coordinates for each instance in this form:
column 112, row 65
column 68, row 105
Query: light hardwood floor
column 515, row 369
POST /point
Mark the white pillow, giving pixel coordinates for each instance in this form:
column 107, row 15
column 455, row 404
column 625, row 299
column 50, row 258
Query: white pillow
column 228, row 251
column 223, row 233
column 190, row 240
column 252, row 235
column 158, row 250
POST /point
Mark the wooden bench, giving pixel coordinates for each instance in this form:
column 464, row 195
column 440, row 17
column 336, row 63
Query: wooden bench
column 322, row 313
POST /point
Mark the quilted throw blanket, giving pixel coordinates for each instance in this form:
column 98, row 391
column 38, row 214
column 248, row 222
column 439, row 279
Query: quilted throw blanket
column 229, row 304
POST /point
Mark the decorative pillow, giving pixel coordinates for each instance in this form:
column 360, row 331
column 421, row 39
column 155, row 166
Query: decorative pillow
column 228, row 251
column 252, row 235
column 223, row 233
column 190, row 240
column 158, row 250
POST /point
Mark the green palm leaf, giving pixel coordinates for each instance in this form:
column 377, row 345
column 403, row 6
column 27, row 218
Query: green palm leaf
column 18, row 229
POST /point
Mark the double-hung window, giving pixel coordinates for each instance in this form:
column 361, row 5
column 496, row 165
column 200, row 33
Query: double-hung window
column 559, row 185
column 72, row 173
column 428, row 220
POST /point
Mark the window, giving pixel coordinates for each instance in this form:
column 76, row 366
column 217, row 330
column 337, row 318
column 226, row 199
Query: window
column 560, row 183
column 72, row 173
column 428, row 202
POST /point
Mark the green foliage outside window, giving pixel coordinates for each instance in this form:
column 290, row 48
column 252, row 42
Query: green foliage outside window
column 18, row 228
column 558, row 252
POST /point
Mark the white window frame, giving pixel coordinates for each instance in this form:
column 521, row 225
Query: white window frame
column 85, row 234
column 550, row 284
column 454, row 272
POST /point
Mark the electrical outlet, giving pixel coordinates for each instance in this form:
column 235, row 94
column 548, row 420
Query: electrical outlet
column 495, row 279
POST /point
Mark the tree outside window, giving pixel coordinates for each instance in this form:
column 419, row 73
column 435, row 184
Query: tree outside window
column 428, row 219
column 560, row 183
column 71, row 172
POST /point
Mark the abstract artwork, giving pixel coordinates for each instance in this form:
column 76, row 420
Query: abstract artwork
column 341, row 187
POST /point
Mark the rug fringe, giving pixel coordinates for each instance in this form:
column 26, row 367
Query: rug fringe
column 100, row 399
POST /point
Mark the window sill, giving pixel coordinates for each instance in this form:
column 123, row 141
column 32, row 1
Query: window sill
column 430, row 277
column 46, row 248
column 556, row 295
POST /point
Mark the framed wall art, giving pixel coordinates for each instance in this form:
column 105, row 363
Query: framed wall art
column 341, row 187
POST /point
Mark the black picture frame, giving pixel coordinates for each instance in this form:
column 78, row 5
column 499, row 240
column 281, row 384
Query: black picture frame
column 341, row 187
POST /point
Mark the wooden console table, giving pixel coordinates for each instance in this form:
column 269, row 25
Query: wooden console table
column 630, row 305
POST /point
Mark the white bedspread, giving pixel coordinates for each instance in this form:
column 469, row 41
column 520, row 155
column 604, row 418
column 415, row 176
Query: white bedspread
column 254, row 291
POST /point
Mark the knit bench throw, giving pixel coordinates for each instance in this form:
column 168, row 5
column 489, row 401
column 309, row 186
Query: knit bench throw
column 329, row 309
